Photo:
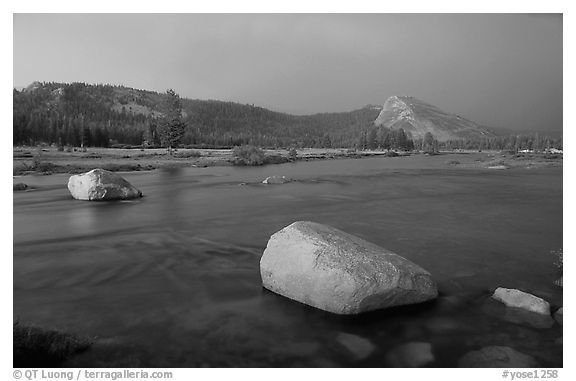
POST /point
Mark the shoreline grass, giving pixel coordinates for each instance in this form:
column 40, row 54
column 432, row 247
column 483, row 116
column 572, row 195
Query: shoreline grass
column 42, row 348
column 47, row 161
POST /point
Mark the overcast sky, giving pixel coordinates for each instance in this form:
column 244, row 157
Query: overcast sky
column 499, row 70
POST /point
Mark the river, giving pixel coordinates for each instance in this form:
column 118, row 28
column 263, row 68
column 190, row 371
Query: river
column 172, row 279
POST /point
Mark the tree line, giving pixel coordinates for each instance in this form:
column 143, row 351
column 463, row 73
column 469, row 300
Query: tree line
column 79, row 114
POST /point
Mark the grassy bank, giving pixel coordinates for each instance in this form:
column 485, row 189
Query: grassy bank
column 507, row 160
column 48, row 160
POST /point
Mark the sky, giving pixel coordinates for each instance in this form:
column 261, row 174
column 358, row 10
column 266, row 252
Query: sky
column 500, row 70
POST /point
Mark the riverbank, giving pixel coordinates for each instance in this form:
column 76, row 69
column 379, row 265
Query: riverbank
column 48, row 160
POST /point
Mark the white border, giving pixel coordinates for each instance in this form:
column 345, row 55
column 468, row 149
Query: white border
column 297, row 6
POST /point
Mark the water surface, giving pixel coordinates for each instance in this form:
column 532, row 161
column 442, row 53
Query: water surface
column 173, row 279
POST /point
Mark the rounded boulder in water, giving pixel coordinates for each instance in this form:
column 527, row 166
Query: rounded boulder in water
column 334, row 271
column 101, row 185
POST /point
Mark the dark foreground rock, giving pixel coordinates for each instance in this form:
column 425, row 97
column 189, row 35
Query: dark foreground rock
column 410, row 355
column 337, row 272
column 521, row 299
column 359, row 347
column 497, row 357
column 20, row 187
column 101, row 185
column 559, row 315
column 39, row 347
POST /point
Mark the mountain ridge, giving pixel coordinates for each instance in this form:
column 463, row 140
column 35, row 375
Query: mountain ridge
column 417, row 118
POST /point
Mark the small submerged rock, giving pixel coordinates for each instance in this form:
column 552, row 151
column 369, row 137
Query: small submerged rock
column 276, row 180
column 20, row 187
column 410, row 355
column 360, row 347
column 497, row 357
column 528, row 318
column 518, row 316
column 440, row 325
column 101, row 185
column 520, row 299
column 337, row 272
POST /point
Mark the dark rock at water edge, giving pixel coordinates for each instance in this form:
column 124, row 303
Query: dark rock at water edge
column 516, row 315
column 558, row 315
column 410, row 355
column 20, row 186
column 359, row 347
column 497, row 357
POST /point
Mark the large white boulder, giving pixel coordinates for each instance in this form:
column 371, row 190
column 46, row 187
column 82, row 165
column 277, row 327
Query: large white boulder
column 337, row 272
column 520, row 299
column 99, row 184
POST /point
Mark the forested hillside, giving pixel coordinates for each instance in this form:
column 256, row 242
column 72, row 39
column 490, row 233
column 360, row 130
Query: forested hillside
column 79, row 114
column 101, row 115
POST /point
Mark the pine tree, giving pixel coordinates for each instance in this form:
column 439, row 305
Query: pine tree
column 172, row 127
column 428, row 143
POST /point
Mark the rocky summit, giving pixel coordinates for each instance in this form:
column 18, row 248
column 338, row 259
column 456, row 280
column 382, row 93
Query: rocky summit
column 329, row 269
column 101, row 185
column 417, row 118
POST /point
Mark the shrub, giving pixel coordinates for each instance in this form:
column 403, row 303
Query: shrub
column 552, row 156
column 559, row 263
column 23, row 154
column 41, row 166
column 93, row 155
column 292, row 154
column 37, row 347
column 189, row 154
column 275, row 159
column 248, row 155
column 559, row 254
column 453, row 162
